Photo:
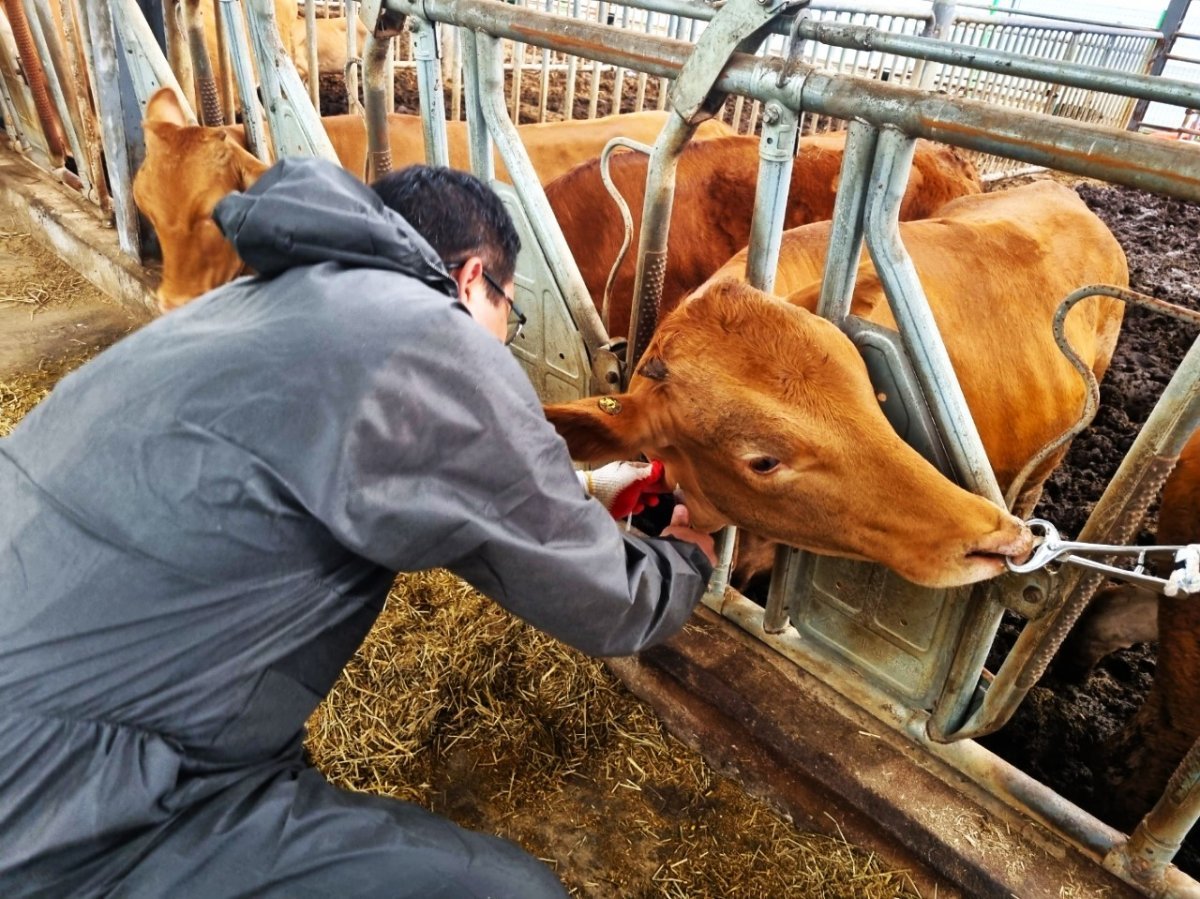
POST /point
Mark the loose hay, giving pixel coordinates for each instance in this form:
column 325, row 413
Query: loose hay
column 19, row 394
column 44, row 279
column 455, row 704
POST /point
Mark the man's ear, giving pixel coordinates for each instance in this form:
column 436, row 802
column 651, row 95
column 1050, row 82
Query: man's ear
column 602, row 429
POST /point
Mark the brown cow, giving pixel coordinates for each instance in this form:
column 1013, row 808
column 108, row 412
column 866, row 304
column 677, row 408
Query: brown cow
column 763, row 413
column 187, row 169
column 331, row 44
column 714, row 201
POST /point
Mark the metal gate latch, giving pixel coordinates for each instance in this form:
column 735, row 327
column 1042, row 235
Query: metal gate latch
column 1184, row 579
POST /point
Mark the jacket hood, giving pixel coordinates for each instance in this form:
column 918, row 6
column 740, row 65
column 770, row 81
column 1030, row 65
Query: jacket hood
column 305, row 211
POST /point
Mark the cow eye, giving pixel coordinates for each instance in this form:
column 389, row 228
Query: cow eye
column 764, row 464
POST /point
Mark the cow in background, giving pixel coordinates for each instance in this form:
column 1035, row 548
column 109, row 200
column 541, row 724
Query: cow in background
column 764, row 415
column 713, row 206
column 331, row 44
column 189, row 168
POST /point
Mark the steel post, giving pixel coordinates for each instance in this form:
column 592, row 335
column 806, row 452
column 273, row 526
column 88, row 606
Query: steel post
column 296, row 128
column 112, row 123
column 429, row 87
column 243, row 71
column 919, row 331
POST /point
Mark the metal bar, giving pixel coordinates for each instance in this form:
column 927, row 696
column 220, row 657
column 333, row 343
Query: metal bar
column 1091, row 77
column 379, row 148
column 429, row 89
column 206, row 82
column 1146, row 855
column 918, row 329
column 295, row 126
column 846, row 235
column 314, row 71
column 76, row 28
column 53, row 66
column 353, row 60
column 35, row 78
column 112, row 122
column 482, row 162
column 148, row 68
column 1120, row 157
column 177, row 51
column 224, row 69
column 533, row 198
column 572, row 67
column 243, row 72
column 777, row 155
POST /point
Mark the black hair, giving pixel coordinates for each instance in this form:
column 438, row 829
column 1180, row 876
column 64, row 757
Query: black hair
column 456, row 213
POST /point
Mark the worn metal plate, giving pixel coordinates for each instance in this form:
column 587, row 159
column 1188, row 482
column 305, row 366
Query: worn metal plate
column 550, row 348
column 897, row 633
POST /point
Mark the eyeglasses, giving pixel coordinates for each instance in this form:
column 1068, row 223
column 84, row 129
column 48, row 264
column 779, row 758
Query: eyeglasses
column 516, row 318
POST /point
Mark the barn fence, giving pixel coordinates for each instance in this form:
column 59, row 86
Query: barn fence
column 980, row 83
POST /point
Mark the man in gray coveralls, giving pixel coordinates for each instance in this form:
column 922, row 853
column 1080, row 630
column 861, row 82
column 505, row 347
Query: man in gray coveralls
column 198, row 528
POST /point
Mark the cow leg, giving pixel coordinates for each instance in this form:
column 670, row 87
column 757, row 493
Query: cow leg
column 293, row 834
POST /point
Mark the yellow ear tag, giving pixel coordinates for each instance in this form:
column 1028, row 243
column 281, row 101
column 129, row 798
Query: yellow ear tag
column 609, row 405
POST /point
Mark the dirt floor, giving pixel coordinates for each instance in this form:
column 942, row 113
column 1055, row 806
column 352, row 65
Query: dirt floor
column 1057, row 732
column 454, row 704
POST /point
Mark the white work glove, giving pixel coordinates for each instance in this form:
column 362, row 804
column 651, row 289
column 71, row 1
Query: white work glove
column 1186, row 576
column 624, row 488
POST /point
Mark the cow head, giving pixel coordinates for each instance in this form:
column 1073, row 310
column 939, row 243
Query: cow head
column 763, row 414
column 187, row 170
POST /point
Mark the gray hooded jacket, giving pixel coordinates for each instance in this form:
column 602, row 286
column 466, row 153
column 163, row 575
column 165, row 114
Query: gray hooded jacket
column 198, row 527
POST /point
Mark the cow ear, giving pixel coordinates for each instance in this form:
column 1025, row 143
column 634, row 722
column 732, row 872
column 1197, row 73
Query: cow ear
column 165, row 107
column 602, row 429
column 249, row 167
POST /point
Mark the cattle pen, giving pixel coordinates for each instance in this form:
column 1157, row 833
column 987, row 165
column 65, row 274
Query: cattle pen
column 842, row 687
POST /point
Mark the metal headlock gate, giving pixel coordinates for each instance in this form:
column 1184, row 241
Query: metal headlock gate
column 913, row 657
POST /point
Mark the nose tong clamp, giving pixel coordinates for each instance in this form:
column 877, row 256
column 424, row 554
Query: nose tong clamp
column 1052, row 548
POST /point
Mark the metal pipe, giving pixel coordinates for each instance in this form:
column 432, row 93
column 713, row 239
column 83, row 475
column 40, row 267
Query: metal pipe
column 76, row 28
column 652, row 242
column 1120, row 157
column 429, row 89
column 533, row 199
column 36, row 78
column 206, row 82
column 151, row 70
column 353, row 62
column 42, row 29
column 1144, row 858
column 112, row 121
column 224, row 68
column 294, row 124
column 1090, row 77
column 375, row 64
column 177, row 53
column 846, row 234
column 314, row 65
column 243, row 71
column 918, row 329
column 482, row 162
